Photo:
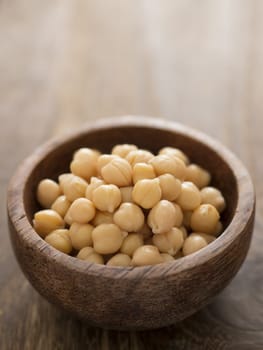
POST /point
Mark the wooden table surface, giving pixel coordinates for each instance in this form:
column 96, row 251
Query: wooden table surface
column 197, row 62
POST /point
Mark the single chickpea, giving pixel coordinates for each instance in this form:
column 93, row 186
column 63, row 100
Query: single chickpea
column 184, row 230
column 84, row 168
column 178, row 215
column 126, row 194
column 197, row 175
column 129, row 217
column 80, row 235
column 205, row 219
column 142, row 171
column 167, row 257
column 189, row 198
column 146, row 255
column 147, row 193
column 139, row 156
column 61, row 205
column 102, row 217
column 107, row 238
column 47, row 192
column 145, row 231
column 106, row 197
column 131, row 243
column 123, row 150
column 119, row 260
column 211, row 195
column 46, row 221
column 86, row 153
column 174, row 152
column 169, row 242
column 95, row 182
column 219, row 229
column 170, row 186
column 59, row 239
column 207, row 237
column 187, row 219
column 164, row 164
column 193, row 243
column 63, row 179
column 68, row 219
column 117, row 172
column 82, row 211
column 74, row 188
column 103, row 160
column 89, row 254
column 162, row 217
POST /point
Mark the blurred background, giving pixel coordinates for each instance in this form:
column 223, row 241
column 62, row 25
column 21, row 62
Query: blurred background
column 63, row 63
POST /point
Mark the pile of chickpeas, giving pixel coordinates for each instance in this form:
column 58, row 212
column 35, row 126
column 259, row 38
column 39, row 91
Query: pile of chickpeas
column 130, row 207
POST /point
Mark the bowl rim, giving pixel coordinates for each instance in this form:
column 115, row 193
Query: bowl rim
column 17, row 213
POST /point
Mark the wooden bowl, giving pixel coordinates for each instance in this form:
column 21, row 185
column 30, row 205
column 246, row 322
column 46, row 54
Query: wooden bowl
column 141, row 297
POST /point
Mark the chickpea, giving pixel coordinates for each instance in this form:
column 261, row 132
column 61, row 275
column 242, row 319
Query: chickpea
column 197, row 175
column 117, row 172
column 74, row 187
column 103, row 160
column 193, row 243
column 211, row 195
column 142, row 171
column 102, row 217
column 147, row 193
column 184, row 231
column 106, row 198
column 89, row 254
column 86, row 153
column 207, row 237
column 205, row 219
column 162, row 217
column 164, row 164
column 95, row 182
column 131, row 243
column 63, row 179
column 126, row 194
column 146, row 255
column 170, row 186
column 68, row 219
column 189, row 198
column 61, row 205
column 119, row 260
column 187, row 219
column 46, row 221
column 174, row 152
column 139, row 156
column 219, row 229
column 82, row 211
column 178, row 215
column 84, row 168
column 129, row 217
column 123, row 150
column 107, row 238
column 59, row 239
column 169, row 242
column 47, row 192
column 80, row 235
column 167, row 257
column 145, row 231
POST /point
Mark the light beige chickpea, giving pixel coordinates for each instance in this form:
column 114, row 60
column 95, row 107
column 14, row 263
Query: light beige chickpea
column 167, row 257
column 178, row 215
column 146, row 255
column 145, row 231
column 126, row 194
column 89, row 254
column 131, row 243
column 103, row 160
column 147, row 193
column 82, row 211
column 205, row 219
column 117, row 172
column 80, row 235
column 84, row 168
column 107, row 238
column 68, row 219
column 119, row 260
column 123, row 150
column 74, row 187
column 63, row 179
column 193, row 243
column 142, row 171
column 211, row 195
column 170, row 186
column 86, row 153
column 47, row 192
column 197, row 175
column 207, row 237
column 187, row 219
column 184, row 230
column 139, row 156
column 46, row 221
column 174, row 152
column 189, row 198
column 129, row 217
column 102, row 217
column 59, row 239
column 162, row 217
column 106, row 197
column 169, row 242
column 164, row 164
column 95, row 182
column 61, row 205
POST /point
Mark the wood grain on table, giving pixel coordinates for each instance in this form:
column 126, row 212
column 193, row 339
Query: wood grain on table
column 65, row 62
